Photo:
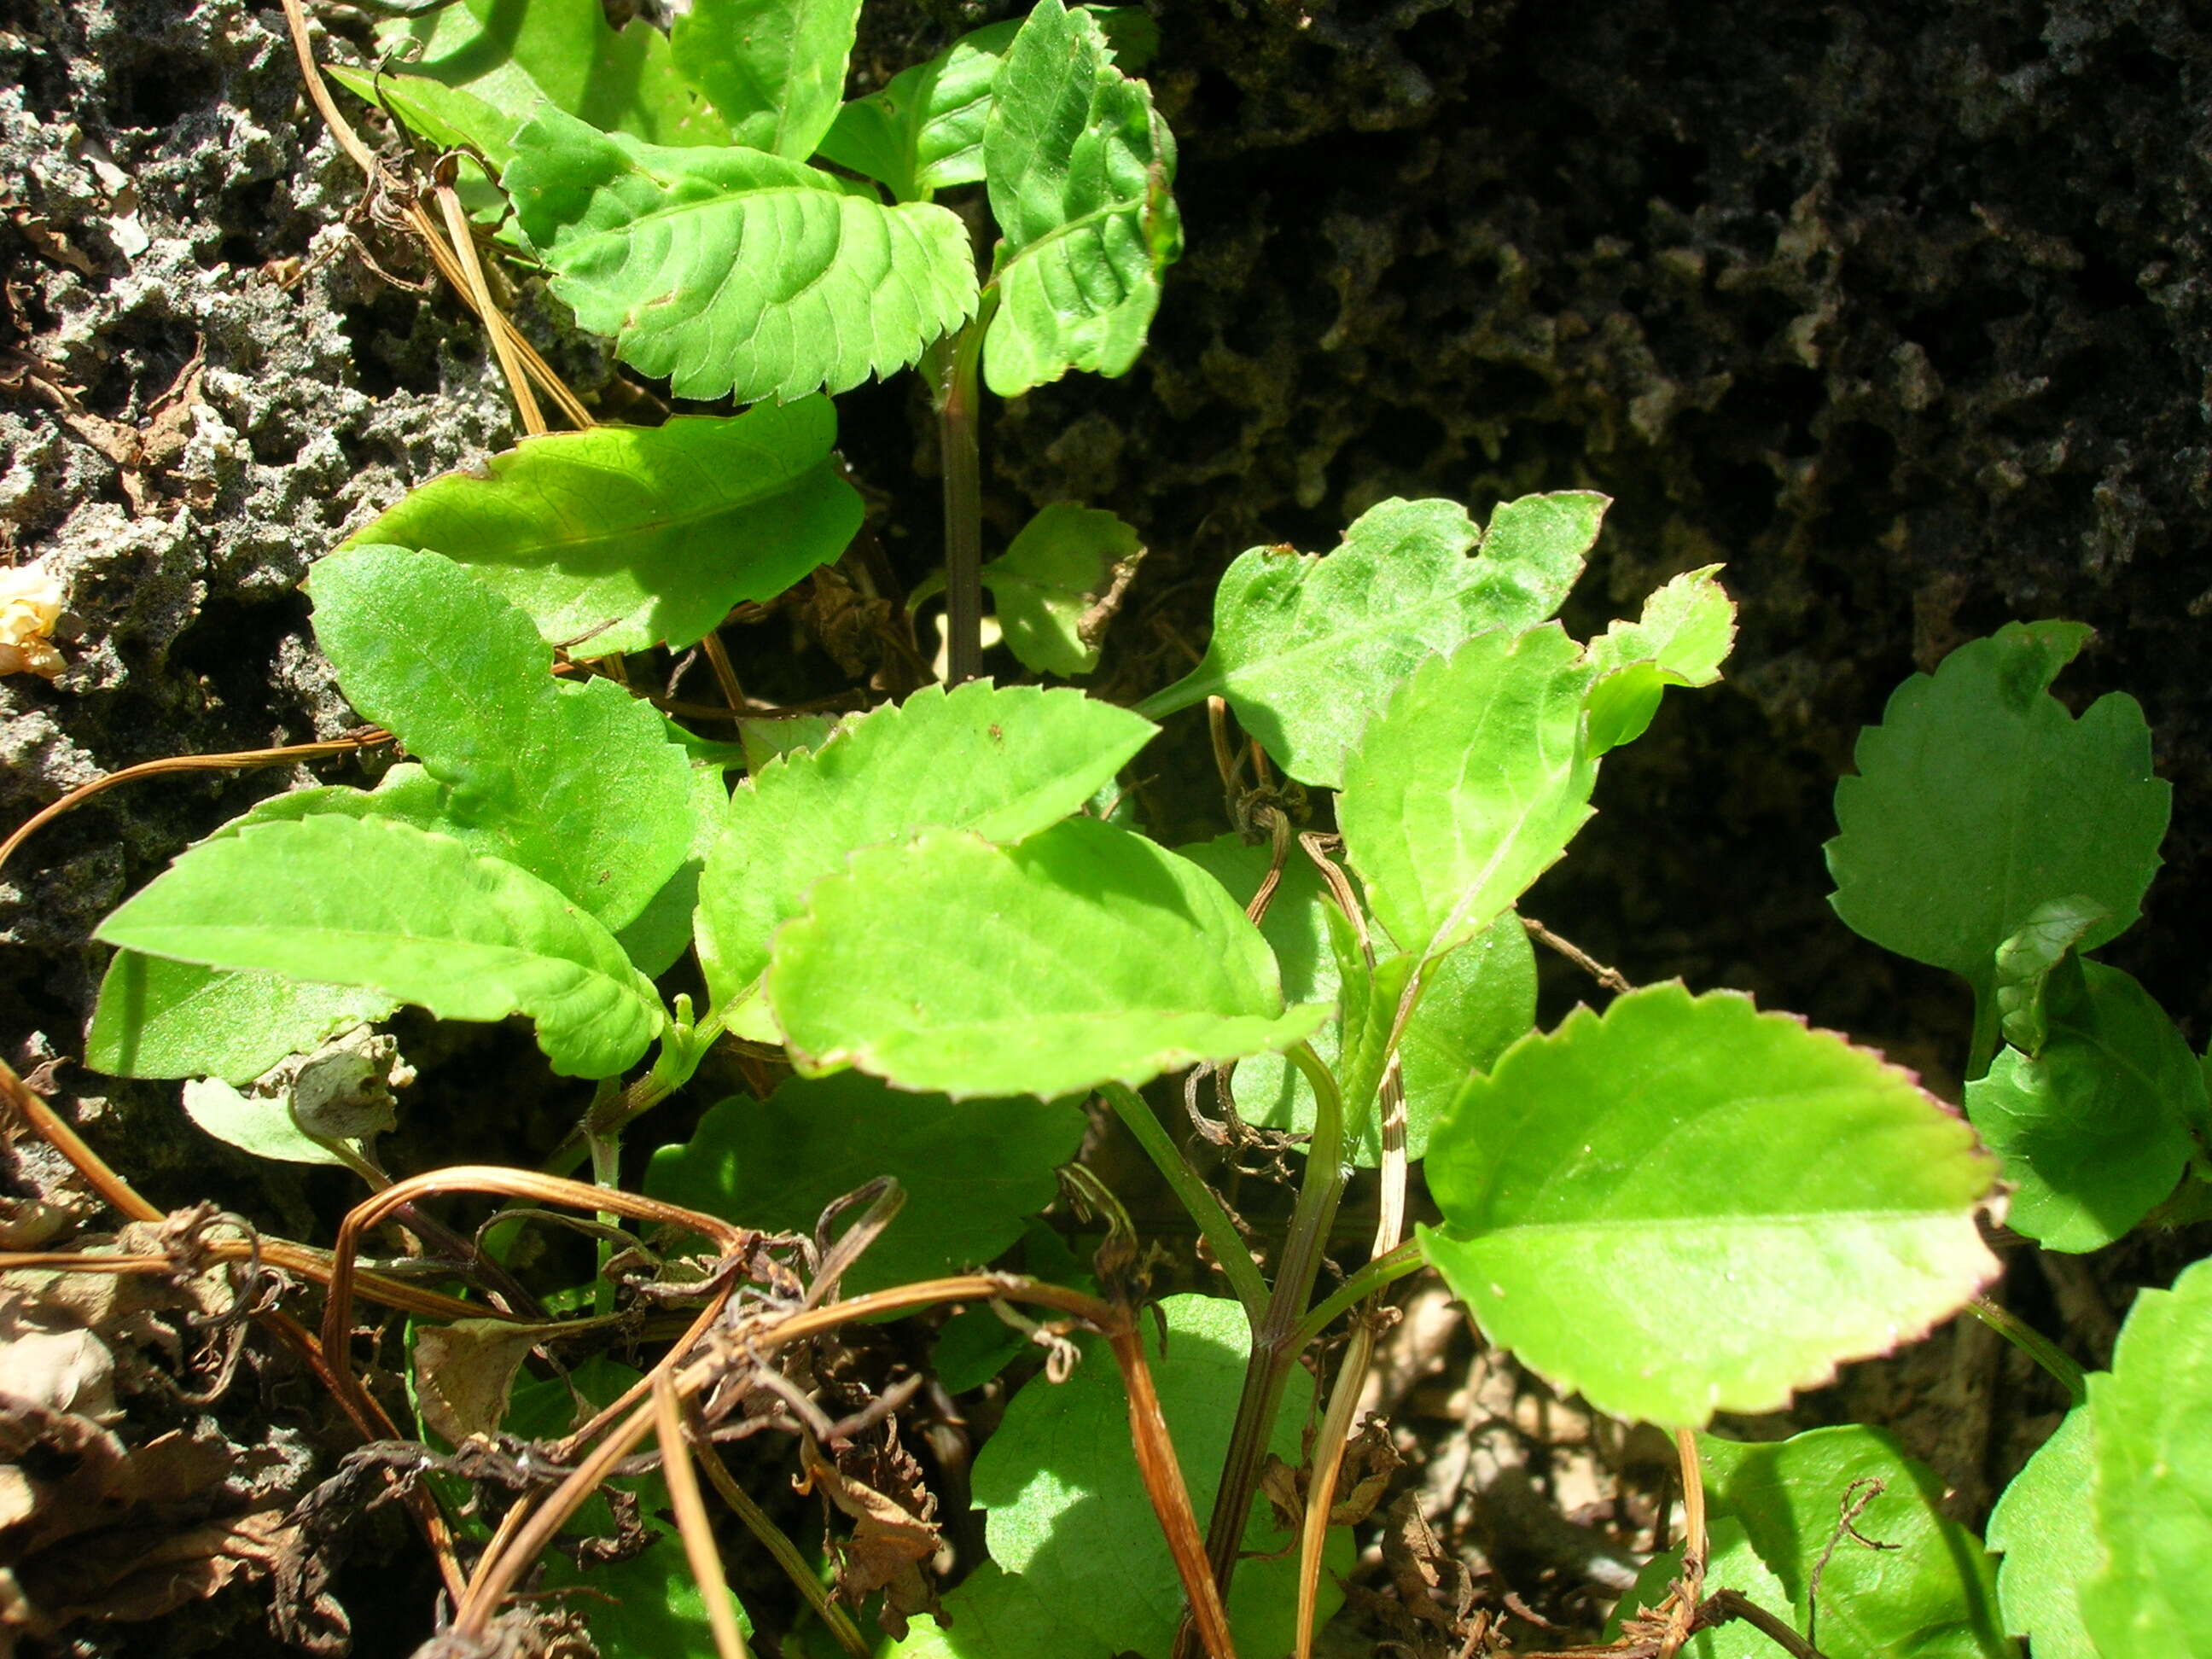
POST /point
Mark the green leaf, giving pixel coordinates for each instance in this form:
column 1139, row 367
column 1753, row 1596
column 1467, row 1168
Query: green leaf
column 994, row 1614
column 1309, row 649
column 1085, row 954
column 1079, row 166
column 2046, row 1525
column 450, row 117
column 1682, row 638
column 576, row 783
column 972, row 1171
column 1003, row 762
column 1468, row 785
column 516, row 55
column 733, row 272
column 262, row 1125
column 1930, row 1593
column 650, row 1604
column 2025, row 961
column 1731, row 1563
column 415, row 916
column 765, row 740
column 975, row 1344
column 624, row 538
column 1066, row 1509
column 1049, row 583
column 160, row 1019
column 2095, row 1130
column 773, row 69
column 1686, row 1205
column 924, row 130
column 1479, row 1000
column 2153, row 1485
column 1979, row 799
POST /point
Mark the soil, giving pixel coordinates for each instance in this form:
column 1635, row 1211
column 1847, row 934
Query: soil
column 1902, row 311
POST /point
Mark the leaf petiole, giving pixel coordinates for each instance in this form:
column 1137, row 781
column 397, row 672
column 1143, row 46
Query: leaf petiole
column 1222, row 1239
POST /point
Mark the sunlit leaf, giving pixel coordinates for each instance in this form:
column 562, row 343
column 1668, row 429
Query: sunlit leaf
column 2045, row 1524
column 577, row 783
column 774, row 69
column 2153, row 1485
column 972, row 1171
column 1079, row 167
column 1083, row 955
column 1309, row 649
column 1731, row 1563
column 733, row 272
column 2095, row 1130
column 1066, row 1508
column 1468, row 785
column 1686, row 1205
column 262, row 1125
column 622, row 538
column 1047, row 587
column 161, row 1018
column 1003, row 762
column 1682, row 638
column 451, row 118
column 415, row 915
column 993, row 1615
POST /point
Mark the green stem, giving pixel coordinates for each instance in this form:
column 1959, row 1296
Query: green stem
column 959, row 444
column 1275, row 1341
column 2036, row 1346
column 1384, row 1270
column 607, row 1172
column 1214, row 1225
column 1987, row 1038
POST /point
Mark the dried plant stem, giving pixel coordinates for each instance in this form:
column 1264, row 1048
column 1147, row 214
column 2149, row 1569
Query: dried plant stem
column 691, row 1522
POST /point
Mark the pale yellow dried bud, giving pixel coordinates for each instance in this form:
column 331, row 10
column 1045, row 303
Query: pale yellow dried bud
column 30, row 604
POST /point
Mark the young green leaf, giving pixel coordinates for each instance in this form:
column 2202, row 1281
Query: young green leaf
column 2095, row 1131
column 972, row 1171
column 2154, row 1486
column 576, row 783
column 1308, row 649
column 1479, row 1000
column 369, row 903
column 518, row 54
column 1979, row 799
column 1468, row 785
column 624, row 538
column 774, row 69
column 262, row 1125
column 1911, row 1581
column 161, row 1018
column 451, row 118
column 1003, row 762
column 733, row 272
column 2045, row 1524
column 1083, row 955
column 1682, row 638
column 1051, row 582
column 1686, row 1205
column 2027, row 960
column 1079, row 165
column 924, row 130
column 1066, row 1509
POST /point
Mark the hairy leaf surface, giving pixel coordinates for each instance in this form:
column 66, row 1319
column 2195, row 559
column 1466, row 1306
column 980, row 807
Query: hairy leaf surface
column 2154, row 1486
column 1468, row 785
column 1083, row 955
column 774, row 69
column 1686, row 1205
column 732, row 271
column 1308, row 649
column 1003, row 762
column 2095, row 1130
column 415, row 915
column 2045, row 1524
column 577, row 783
column 1079, row 165
column 624, row 538
column 972, row 1171
column 1066, row 1508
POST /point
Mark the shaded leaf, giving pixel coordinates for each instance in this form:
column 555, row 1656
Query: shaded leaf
column 416, row 916
column 774, row 69
column 652, row 1603
column 2093, row 1131
column 1590, row 1227
column 1468, row 785
column 161, row 1018
column 1079, row 165
column 1308, row 649
column 1003, row 762
column 259, row 1124
column 1066, row 1509
column 2025, row 961
column 972, row 1171
column 2153, row 1485
column 733, row 272
column 516, row 55
column 994, row 1614
column 622, row 538
column 1083, row 955
column 576, row 783
column 2045, row 1524
column 1731, row 1563
column 1057, row 584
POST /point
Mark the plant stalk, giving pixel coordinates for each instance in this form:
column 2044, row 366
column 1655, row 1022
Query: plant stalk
column 959, row 442
column 2036, row 1346
column 1222, row 1238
